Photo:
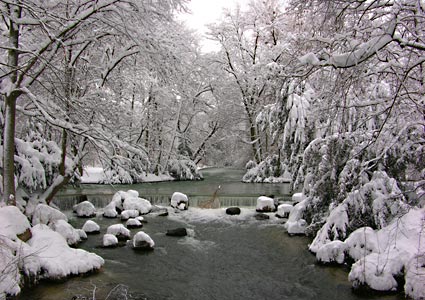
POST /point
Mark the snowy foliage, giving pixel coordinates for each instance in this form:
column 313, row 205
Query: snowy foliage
column 183, row 169
column 270, row 170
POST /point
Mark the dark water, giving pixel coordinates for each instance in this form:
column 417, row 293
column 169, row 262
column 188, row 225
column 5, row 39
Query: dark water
column 225, row 257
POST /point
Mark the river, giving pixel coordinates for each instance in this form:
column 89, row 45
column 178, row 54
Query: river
column 225, row 257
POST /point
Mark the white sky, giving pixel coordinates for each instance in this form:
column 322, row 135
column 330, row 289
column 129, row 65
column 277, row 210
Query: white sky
column 205, row 12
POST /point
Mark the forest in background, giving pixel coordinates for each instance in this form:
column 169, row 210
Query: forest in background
column 330, row 93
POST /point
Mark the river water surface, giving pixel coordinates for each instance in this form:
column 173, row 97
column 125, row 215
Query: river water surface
column 224, row 257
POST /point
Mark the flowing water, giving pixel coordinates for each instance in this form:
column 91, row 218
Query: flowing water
column 224, row 257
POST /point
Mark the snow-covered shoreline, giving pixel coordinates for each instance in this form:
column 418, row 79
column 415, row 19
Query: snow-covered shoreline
column 97, row 175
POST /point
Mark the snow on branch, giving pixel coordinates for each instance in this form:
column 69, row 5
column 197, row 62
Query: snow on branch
column 358, row 55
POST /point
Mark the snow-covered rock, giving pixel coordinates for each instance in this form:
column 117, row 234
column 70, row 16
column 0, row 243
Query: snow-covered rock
column 119, row 231
column 82, row 234
column 143, row 241
column 296, row 224
column 265, row 204
column 12, row 222
column 298, row 197
column 109, row 240
column 133, row 193
column 141, row 219
column 130, row 213
column 110, row 211
column 133, row 223
column 91, row 227
column 66, row 230
column 56, row 259
column 283, row 210
column 179, row 201
column 85, row 209
column 45, row 214
column 140, row 204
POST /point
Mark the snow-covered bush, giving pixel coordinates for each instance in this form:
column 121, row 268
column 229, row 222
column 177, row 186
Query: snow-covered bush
column 270, row 170
column 183, row 169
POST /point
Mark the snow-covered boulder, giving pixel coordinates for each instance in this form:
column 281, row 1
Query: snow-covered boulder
column 133, row 223
column 91, row 227
column 119, row 231
column 110, row 211
column 140, row 204
column 283, row 210
column 56, row 259
column 82, row 234
column 296, row 224
column 66, row 230
column 332, row 252
column 265, row 204
column 233, row 211
column 133, row 193
column 141, row 219
column 117, row 200
column 12, row 222
column 297, row 197
column 129, row 213
column 45, row 214
column 85, row 209
column 179, row 201
column 143, row 241
column 109, row 240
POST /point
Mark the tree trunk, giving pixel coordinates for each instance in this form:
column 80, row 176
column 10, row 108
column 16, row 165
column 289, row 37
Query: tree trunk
column 10, row 110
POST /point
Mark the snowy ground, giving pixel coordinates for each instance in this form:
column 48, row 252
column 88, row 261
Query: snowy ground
column 96, row 175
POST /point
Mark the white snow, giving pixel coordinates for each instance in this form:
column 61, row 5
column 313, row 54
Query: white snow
column 284, row 209
column 109, row 240
column 66, row 230
column 133, row 223
column 332, row 252
column 362, row 242
column 45, row 214
column 298, row 197
column 130, row 213
column 12, row 222
column 118, row 229
column 140, row 204
column 56, row 258
column 295, row 223
column 93, row 175
column 141, row 236
column 177, row 199
column 110, row 211
column 265, row 204
column 91, row 226
column 85, row 209
column 82, row 233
